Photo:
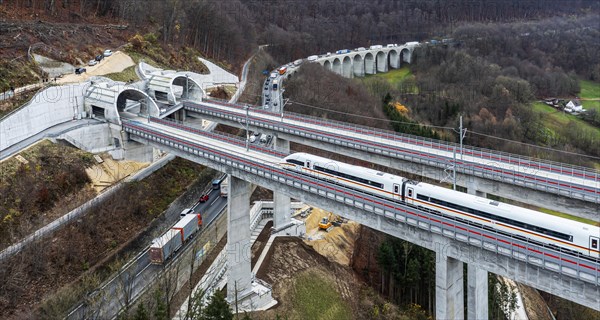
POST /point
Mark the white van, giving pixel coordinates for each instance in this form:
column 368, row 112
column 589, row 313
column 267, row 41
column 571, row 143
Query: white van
column 263, row 138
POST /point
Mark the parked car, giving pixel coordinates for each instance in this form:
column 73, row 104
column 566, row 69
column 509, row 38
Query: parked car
column 99, row 57
column 204, row 198
column 79, row 70
column 92, row 62
column 107, row 53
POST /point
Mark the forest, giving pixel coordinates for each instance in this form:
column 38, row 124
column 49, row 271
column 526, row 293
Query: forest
column 509, row 53
column 226, row 30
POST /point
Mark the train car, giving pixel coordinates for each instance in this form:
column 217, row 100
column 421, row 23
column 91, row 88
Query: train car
column 570, row 236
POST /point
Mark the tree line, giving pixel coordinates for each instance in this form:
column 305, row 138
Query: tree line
column 226, row 30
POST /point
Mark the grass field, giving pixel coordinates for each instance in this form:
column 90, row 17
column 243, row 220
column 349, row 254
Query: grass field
column 555, row 120
column 394, row 76
column 125, row 75
column 570, row 217
column 315, row 297
column 590, row 90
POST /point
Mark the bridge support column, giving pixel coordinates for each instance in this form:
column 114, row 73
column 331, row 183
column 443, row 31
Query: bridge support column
column 238, row 238
column 472, row 189
column 449, row 288
column 282, row 203
column 180, row 115
column 477, row 293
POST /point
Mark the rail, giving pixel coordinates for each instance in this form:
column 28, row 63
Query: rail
column 232, row 139
column 486, row 154
column 517, row 170
column 577, row 266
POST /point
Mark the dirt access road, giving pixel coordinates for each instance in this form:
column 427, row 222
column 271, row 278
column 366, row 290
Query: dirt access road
column 117, row 62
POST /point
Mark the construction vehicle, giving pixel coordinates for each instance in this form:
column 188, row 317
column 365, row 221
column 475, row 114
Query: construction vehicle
column 325, row 223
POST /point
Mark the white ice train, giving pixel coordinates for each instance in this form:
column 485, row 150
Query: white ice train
column 537, row 227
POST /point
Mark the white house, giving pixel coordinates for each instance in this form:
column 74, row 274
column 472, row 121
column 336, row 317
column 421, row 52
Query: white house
column 574, row 106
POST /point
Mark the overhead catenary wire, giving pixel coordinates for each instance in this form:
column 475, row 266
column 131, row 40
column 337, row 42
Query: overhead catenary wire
column 442, row 128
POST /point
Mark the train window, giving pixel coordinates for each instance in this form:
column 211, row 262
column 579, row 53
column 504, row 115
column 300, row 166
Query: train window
column 307, row 164
column 410, row 192
column 594, row 244
column 515, row 223
column 296, row 162
column 396, row 188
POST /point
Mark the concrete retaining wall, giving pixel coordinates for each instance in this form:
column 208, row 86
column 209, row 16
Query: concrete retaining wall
column 48, row 108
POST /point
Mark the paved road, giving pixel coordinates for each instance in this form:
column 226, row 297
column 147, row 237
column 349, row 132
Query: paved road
column 139, row 273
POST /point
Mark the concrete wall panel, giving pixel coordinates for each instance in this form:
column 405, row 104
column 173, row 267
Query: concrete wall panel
column 48, row 108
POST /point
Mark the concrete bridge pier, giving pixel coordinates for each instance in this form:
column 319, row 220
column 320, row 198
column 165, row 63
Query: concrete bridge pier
column 238, row 239
column 473, row 190
column 477, row 293
column 282, row 218
column 449, row 288
column 131, row 150
column 180, row 115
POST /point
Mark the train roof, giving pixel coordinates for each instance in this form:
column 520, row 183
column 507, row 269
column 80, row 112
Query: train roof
column 319, row 159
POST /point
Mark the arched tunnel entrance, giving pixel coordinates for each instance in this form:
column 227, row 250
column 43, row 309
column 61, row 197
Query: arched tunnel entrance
column 135, row 102
column 185, row 88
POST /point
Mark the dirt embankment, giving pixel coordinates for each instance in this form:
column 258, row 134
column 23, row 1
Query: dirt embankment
column 338, row 244
column 293, row 267
column 117, row 62
column 86, row 250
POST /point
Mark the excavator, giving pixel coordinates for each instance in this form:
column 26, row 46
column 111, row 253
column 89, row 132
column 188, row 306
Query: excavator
column 327, row 223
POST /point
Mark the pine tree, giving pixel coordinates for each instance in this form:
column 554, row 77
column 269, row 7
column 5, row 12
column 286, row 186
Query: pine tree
column 217, row 308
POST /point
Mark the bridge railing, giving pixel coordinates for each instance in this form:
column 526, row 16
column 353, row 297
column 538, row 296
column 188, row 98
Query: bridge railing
column 233, row 139
column 482, row 153
column 512, row 174
column 548, row 257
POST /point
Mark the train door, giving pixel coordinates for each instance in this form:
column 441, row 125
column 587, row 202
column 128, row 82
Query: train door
column 397, row 192
column 410, row 194
column 594, row 246
column 307, row 168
